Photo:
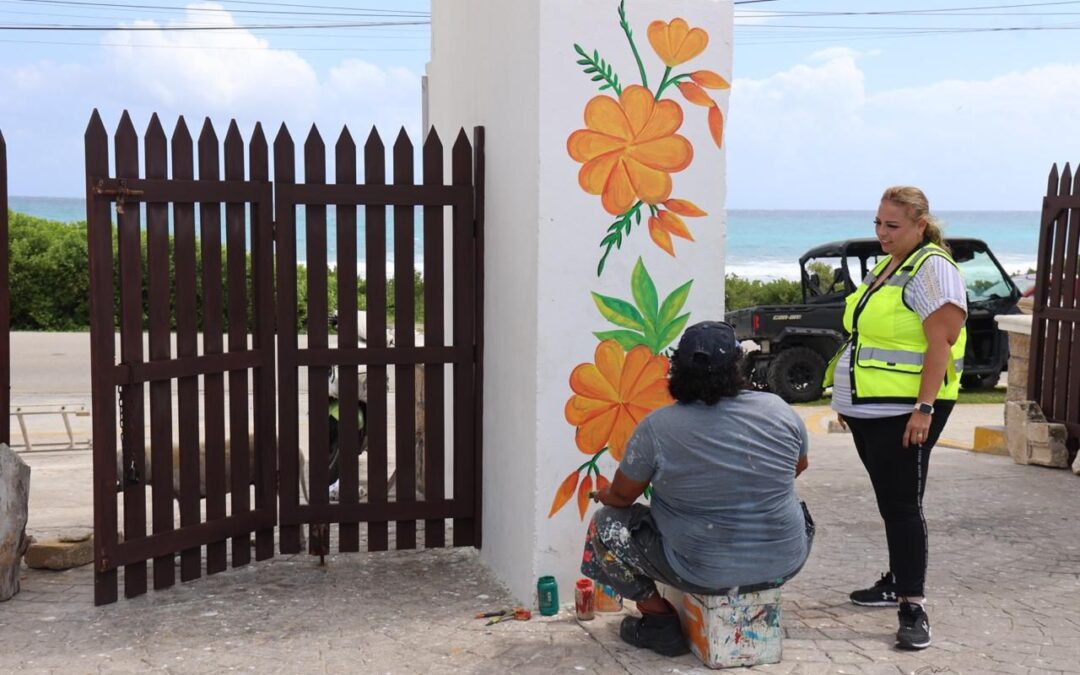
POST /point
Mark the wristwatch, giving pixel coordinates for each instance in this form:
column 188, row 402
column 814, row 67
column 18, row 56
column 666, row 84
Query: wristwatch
column 924, row 408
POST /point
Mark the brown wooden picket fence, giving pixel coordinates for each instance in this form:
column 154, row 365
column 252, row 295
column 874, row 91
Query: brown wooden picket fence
column 5, row 304
column 1054, row 380
column 244, row 305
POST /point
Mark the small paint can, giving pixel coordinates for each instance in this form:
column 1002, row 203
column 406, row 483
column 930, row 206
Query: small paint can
column 607, row 600
column 584, row 597
column 547, row 595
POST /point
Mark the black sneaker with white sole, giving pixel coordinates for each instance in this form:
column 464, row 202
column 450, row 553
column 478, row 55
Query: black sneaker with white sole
column 914, row 630
column 881, row 594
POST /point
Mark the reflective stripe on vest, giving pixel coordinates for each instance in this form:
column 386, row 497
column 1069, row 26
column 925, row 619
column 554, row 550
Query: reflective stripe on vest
column 894, row 357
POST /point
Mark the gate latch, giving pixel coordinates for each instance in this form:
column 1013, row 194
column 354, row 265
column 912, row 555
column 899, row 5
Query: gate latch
column 121, row 192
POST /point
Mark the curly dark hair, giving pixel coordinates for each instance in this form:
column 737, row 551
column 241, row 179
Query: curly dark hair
column 701, row 383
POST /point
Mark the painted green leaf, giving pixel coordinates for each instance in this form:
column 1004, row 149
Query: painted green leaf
column 619, row 312
column 672, row 331
column 651, row 339
column 627, row 339
column 644, row 290
column 673, row 303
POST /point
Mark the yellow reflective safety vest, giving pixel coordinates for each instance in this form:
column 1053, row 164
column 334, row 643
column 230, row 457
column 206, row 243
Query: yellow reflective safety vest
column 889, row 342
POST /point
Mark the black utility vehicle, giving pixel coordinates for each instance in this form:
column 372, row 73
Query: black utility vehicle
column 795, row 342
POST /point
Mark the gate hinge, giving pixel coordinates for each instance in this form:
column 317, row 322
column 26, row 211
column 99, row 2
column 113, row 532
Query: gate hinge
column 121, row 193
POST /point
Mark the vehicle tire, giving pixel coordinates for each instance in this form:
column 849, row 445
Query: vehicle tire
column 335, row 450
column 795, row 375
column 753, row 375
column 988, row 381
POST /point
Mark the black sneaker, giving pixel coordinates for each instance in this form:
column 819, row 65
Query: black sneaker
column 914, row 630
column 881, row 594
column 658, row 632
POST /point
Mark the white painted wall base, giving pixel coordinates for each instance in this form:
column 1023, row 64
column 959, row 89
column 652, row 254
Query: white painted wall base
column 511, row 66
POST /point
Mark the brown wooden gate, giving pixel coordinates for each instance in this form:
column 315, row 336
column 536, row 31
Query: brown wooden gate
column 461, row 351
column 5, row 305
column 142, row 271
column 1054, row 382
column 209, row 287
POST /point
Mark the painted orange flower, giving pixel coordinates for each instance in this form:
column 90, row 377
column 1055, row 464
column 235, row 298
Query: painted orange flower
column 667, row 223
column 565, row 492
column 676, row 42
column 612, row 395
column 716, row 125
column 684, row 207
column 695, row 94
column 583, row 495
column 629, row 148
column 709, row 79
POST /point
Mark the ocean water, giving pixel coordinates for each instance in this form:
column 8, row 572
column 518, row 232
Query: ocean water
column 767, row 244
column 760, row 244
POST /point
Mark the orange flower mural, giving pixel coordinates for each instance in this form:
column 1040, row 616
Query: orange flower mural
column 629, row 151
column 675, row 42
column 629, row 148
column 663, row 225
column 613, row 394
column 709, row 79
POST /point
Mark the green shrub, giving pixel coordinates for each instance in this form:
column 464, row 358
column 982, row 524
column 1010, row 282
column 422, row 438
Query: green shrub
column 740, row 292
column 50, row 280
column 49, row 274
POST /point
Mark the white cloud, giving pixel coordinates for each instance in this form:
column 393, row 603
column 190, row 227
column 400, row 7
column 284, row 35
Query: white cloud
column 211, row 70
column 220, row 74
column 814, row 131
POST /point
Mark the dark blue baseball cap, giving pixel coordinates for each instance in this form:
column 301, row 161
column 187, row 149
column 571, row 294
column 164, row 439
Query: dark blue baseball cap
column 709, row 344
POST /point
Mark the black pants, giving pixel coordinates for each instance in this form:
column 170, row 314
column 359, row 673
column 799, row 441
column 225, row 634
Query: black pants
column 898, row 475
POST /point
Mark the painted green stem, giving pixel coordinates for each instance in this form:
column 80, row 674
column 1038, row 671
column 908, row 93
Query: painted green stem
column 618, row 229
column 633, row 47
column 599, row 69
column 667, row 83
column 593, row 461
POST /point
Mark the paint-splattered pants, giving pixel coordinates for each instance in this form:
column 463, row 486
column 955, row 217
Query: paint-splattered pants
column 624, row 550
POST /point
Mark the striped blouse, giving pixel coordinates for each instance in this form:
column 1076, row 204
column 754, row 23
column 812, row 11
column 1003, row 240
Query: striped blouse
column 936, row 284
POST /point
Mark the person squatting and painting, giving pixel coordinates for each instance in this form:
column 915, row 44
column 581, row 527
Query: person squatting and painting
column 724, row 515
column 894, row 384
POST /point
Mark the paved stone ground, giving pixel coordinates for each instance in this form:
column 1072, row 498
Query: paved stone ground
column 1004, row 589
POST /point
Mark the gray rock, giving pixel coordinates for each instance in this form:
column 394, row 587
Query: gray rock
column 1032, row 439
column 14, row 508
column 58, row 554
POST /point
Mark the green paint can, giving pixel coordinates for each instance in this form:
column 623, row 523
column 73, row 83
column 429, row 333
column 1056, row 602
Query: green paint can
column 547, row 594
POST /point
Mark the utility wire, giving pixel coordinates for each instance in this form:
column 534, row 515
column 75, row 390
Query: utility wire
column 307, row 12
column 900, row 12
column 210, row 49
column 283, row 26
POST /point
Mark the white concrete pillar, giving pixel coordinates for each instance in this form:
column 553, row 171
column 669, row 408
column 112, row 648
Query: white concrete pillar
column 568, row 157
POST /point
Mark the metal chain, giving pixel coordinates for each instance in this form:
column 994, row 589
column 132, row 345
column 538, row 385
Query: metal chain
column 131, row 476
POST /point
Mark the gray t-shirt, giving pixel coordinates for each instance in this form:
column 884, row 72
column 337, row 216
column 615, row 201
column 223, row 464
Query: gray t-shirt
column 723, row 479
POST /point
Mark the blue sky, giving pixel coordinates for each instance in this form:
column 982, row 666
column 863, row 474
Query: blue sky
column 825, row 110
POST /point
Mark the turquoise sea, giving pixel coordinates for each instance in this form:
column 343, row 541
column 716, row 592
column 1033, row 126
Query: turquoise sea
column 760, row 244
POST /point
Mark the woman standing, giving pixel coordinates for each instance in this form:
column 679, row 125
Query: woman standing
column 894, row 384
